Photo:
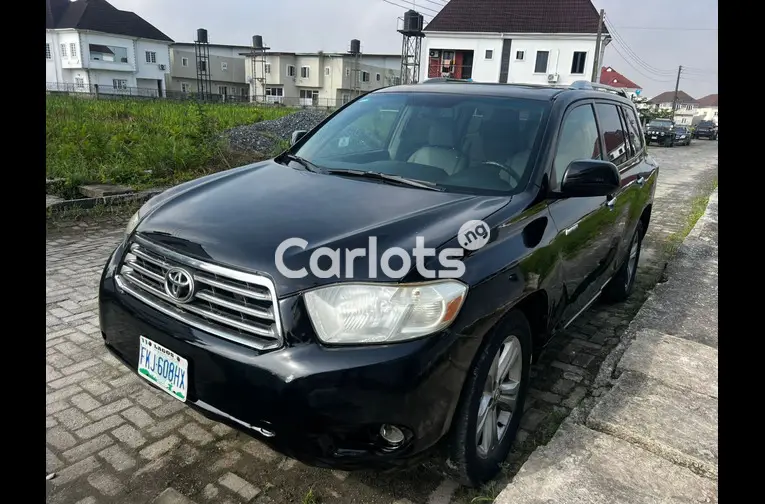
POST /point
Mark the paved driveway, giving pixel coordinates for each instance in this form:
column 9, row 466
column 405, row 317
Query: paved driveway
column 112, row 438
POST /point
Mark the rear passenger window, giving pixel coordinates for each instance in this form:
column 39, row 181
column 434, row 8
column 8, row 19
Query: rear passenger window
column 578, row 140
column 636, row 138
column 617, row 150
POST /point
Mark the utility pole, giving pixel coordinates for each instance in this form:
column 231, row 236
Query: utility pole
column 677, row 87
column 596, row 62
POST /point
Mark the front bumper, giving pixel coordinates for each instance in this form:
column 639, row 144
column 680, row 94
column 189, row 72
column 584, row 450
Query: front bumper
column 705, row 134
column 323, row 406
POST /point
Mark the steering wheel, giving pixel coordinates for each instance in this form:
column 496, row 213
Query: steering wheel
column 503, row 168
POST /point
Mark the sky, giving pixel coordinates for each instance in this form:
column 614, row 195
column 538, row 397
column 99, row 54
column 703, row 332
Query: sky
column 652, row 37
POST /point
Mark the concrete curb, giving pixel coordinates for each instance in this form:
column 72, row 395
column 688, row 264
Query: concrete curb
column 87, row 203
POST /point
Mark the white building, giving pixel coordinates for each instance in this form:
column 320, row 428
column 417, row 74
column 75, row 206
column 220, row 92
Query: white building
column 685, row 106
column 543, row 42
column 227, row 70
column 91, row 46
column 318, row 79
column 707, row 109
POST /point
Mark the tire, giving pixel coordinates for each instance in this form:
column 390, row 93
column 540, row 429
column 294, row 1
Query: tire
column 623, row 282
column 472, row 467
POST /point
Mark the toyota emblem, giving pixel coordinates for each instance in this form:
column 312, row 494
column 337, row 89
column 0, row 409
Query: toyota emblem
column 179, row 285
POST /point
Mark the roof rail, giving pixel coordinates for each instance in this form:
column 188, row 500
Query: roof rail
column 582, row 84
column 435, row 80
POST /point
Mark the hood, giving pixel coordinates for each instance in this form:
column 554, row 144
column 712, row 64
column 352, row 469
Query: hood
column 240, row 217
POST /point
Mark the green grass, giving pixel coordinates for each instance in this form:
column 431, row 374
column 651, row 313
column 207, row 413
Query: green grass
column 697, row 208
column 142, row 143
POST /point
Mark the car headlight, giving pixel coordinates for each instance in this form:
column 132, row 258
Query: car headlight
column 352, row 314
column 137, row 217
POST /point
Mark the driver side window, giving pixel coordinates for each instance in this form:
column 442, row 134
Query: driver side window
column 578, row 140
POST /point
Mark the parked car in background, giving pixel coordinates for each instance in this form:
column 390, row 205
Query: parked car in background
column 682, row 135
column 661, row 131
column 375, row 367
column 706, row 129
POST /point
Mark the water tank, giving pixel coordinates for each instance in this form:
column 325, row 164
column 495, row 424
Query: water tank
column 355, row 46
column 257, row 42
column 413, row 21
column 202, row 35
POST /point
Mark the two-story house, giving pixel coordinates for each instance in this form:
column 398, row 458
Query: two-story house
column 685, row 106
column 318, row 79
column 513, row 41
column 612, row 78
column 707, row 109
column 227, row 70
column 91, row 46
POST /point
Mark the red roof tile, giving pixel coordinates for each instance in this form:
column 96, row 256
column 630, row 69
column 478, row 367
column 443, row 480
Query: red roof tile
column 613, row 78
column 517, row 16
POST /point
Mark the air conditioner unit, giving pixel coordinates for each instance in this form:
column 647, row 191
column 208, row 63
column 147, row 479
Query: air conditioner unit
column 435, row 54
column 552, row 78
column 162, row 67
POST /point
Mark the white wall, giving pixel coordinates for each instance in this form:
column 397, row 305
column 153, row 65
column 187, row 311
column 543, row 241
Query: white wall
column 152, row 70
column 560, row 47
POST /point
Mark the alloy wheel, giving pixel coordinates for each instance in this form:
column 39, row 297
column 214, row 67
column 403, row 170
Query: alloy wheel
column 499, row 397
column 632, row 260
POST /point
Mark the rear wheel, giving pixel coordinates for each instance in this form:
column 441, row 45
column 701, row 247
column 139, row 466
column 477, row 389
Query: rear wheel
column 490, row 409
column 623, row 282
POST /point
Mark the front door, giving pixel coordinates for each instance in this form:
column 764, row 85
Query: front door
column 586, row 226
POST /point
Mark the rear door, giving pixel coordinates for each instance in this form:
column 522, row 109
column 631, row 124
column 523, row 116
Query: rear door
column 586, row 225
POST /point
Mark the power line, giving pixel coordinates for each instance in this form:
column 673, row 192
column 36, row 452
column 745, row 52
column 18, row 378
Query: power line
column 626, row 60
column 649, row 68
column 405, row 7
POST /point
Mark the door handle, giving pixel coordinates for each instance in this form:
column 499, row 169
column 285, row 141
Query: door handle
column 640, row 180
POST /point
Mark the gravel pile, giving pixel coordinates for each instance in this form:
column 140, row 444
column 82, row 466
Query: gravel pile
column 264, row 136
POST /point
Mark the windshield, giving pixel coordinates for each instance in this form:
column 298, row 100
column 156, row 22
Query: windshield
column 660, row 124
column 681, row 130
column 706, row 125
column 462, row 143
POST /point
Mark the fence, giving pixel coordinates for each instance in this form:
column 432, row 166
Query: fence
column 96, row 91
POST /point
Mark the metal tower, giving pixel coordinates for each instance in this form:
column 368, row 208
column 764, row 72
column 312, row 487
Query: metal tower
column 202, row 56
column 411, row 46
column 258, row 68
column 355, row 53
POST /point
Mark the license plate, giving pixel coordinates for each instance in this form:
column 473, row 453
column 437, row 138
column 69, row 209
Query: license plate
column 654, row 137
column 163, row 368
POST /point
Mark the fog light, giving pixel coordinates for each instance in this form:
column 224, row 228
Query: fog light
column 391, row 434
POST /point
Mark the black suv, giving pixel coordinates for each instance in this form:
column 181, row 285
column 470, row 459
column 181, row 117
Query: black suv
column 706, row 129
column 662, row 132
column 280, row 297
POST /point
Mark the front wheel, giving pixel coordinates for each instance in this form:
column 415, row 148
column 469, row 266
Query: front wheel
column 623, row 282
column 490, row 409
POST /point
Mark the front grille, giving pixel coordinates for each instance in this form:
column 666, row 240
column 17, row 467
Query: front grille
column 231, row 304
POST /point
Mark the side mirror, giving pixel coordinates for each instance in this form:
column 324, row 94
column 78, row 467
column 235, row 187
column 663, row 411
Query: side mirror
column 297, row 135
column 590, row 177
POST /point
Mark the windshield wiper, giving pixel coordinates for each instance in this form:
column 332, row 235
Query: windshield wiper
column 302, row 162
column 421, row 184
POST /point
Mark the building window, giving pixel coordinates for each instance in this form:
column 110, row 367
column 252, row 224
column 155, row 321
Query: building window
column 79, row 83
column 305, row 72
column 327, row 70
column 184, row 62
column 244, row 92
column 274, row 91
column 185, row 88
column 73, row 50
column 151, row 57
column 222, row 90
column 378, row 77
column 63, row 50
column 577, row 64
column 346, row 98
column 489, row 54
column 119, row 83
column 202, row 64
column 347, row 72
column 364, row 76
column 47, row 51
column 268, row 68
column 224, row 66
column 290, row 71
column 520, row 55
column 541, row 64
